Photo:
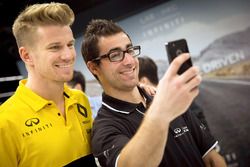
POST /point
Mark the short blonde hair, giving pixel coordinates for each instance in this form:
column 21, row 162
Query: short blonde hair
column 37, row 15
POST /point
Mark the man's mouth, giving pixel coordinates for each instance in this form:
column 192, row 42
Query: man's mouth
column 128, row 71
column 64, row 65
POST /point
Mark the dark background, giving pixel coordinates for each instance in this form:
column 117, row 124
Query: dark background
column 84, row 10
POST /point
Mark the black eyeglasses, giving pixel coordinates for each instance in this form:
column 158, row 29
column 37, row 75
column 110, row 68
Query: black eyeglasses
column 118, row 55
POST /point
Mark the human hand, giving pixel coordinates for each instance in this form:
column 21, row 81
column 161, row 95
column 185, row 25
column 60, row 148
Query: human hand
column 151, row 90
column 176, row 92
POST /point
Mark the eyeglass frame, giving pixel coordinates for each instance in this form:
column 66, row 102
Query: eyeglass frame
column 107, row 55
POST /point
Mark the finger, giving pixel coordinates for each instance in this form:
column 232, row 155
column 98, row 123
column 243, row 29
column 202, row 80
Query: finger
column 190, row 73
column 195, row 91
column 194, row 83
column 140, row 85
column 177, row 62
column 152, row 91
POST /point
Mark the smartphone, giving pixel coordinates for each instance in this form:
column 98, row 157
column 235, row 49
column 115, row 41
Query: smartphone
column 174, row 49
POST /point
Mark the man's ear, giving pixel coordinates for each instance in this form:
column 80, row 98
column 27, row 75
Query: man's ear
column 25, row 56
column 93, row 67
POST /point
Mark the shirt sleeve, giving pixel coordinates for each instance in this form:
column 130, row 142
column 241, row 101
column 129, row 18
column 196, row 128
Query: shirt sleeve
column 8, row 148
column 107, row 142
column 202, row 136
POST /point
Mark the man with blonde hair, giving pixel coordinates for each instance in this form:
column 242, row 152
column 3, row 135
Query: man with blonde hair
column 45, row 123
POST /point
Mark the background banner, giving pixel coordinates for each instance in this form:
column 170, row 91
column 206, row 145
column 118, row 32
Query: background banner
column 218, row 35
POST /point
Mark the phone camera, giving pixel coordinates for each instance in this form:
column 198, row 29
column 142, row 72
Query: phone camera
column 178, row 52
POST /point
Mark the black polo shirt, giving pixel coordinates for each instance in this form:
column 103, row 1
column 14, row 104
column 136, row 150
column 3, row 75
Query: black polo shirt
column 117, row 121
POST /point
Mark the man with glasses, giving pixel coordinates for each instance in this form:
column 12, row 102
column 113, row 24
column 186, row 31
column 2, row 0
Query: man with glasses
column 132, row 129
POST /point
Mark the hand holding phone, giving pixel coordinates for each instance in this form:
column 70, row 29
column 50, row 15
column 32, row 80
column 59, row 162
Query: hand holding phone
column 174, row 49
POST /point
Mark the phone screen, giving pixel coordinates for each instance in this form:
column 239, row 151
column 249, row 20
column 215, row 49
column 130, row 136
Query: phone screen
column 174, row 49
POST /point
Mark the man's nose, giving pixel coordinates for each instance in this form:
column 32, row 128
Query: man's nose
column 67, row 53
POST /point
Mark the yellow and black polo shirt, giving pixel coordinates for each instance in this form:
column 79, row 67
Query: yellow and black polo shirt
column 34, row 133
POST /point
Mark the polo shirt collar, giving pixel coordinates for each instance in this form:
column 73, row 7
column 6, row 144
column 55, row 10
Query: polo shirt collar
column 121, row 106
column 70, row 98
column 35, row 101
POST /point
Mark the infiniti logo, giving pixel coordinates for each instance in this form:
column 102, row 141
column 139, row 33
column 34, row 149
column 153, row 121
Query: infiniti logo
column 32, row 122
column 180, row 131
column 177, row 130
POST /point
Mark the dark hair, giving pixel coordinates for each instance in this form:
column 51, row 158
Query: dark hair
column 78, row 77
column 96, row 29
column 148, row 69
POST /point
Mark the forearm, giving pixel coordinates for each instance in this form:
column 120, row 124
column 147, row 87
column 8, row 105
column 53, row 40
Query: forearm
column 147, row 147
column 220, row 163
column 213, row 159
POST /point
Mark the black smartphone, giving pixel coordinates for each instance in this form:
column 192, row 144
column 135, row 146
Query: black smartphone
column 174, row 49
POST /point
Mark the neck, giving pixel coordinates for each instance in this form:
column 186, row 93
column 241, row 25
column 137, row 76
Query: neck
column 132, row 95
column 48, row 90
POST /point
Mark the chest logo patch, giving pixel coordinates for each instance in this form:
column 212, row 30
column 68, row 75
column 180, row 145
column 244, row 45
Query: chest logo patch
column 32, row 122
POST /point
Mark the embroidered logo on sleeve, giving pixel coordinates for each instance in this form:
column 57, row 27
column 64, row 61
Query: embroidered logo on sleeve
column 82, row 110
column 180, row 131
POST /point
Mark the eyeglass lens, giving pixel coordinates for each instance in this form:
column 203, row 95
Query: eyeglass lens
column 119, row 54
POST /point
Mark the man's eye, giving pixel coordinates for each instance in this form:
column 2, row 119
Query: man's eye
column 71, row 45
column 115, row 55
column 54, row 47
column 130, row 51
